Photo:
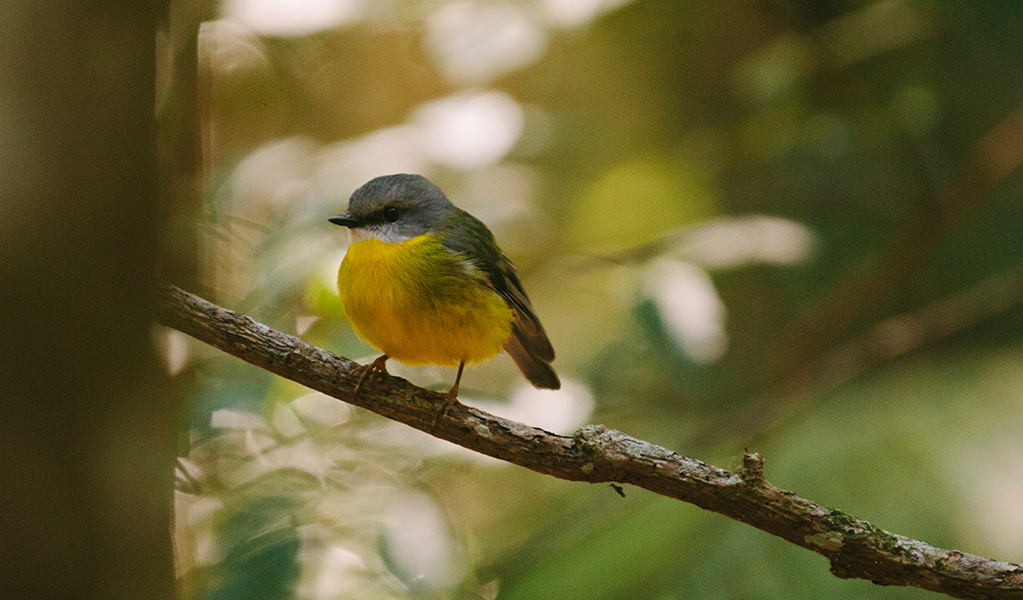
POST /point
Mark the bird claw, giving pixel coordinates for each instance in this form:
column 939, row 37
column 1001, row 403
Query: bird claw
column 376, row 368
column 450, row 399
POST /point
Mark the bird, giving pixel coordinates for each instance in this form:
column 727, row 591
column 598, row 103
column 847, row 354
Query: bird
column 425, row 283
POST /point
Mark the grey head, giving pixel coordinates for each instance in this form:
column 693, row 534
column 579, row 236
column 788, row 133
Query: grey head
column 395, row 208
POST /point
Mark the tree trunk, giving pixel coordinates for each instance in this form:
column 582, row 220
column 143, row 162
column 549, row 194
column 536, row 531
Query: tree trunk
column 87, row 446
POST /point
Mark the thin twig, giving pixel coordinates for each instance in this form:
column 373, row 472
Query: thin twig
column 857, row 296
column 877, row 345
column 596, row 454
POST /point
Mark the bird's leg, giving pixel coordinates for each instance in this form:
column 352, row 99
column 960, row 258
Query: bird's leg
column 379, row 365
column 451, row 398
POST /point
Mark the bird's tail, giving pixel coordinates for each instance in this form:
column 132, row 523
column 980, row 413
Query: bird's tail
column 538, row 371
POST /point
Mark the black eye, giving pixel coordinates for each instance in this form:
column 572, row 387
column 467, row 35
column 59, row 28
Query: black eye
column 390, row 214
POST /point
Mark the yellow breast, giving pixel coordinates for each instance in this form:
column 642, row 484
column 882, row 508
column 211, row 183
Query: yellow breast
column 420, row 304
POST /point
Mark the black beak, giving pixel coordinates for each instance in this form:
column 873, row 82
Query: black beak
column 345, row 221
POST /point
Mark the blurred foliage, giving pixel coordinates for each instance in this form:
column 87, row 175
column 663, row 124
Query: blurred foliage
column 788, row 226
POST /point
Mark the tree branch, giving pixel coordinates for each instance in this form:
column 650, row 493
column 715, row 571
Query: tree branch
column 596, row 454
column 864, row 288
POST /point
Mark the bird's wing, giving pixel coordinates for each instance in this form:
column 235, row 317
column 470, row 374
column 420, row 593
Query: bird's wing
column 529, row 346
column 527, row 325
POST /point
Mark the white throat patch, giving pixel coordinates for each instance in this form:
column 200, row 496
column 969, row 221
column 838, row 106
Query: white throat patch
column 385, row 233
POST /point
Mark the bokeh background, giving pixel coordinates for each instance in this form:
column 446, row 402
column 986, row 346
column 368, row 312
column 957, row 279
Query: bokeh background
column 788, row 226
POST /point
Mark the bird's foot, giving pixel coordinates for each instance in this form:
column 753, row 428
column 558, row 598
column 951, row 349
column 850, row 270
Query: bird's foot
column 374, row 369
column 450, row 399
